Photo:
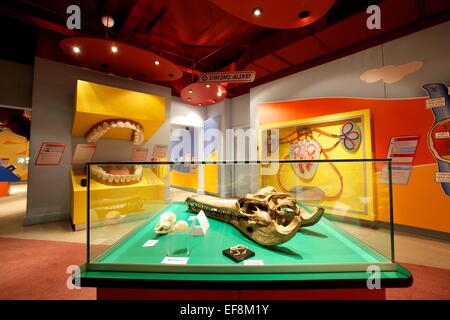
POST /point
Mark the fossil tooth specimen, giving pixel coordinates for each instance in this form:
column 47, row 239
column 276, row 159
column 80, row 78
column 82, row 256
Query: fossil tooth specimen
column 100, row 128
column 267, row 217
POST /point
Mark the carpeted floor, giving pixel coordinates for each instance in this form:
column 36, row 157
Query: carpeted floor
column 429, row 284
column 36, row 269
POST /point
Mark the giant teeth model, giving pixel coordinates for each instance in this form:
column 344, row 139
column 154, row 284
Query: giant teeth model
column 99, row 129
column 267, row 217
column 104, row 174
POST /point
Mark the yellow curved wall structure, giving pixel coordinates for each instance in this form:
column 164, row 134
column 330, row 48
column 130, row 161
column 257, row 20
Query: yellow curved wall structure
column 95, row 103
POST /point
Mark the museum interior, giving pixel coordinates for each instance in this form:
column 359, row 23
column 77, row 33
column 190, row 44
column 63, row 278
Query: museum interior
column 224, row 149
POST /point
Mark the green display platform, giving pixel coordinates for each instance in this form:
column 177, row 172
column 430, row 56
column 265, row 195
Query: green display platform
column 319, row 256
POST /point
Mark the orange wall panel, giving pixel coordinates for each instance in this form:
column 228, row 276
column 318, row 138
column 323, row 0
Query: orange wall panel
column 390, row 118
column 422, row 203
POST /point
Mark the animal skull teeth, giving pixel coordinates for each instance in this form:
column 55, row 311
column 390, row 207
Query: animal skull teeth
column 99, row 129
column 267, row 217
column 104, row 174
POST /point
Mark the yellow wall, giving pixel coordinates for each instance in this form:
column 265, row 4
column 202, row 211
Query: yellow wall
column 184, row 180
column 95, row 103
column 212, row 175
column 121, row 199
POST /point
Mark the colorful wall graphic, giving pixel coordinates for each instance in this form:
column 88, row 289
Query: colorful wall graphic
column 337, row 136
column 14, row 151
column 420, row 203
column 439, row 134
column 15, row 127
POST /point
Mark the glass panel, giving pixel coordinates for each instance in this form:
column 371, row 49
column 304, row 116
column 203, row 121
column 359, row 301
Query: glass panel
column 278, row 216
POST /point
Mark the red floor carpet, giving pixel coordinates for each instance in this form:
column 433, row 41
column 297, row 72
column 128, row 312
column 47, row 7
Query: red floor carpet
column 36, row 269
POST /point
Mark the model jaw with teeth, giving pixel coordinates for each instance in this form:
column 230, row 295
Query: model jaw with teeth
column 99, row 129
column 116, row 174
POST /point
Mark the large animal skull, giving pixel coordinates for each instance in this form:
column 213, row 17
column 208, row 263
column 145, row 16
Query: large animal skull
column 267, row 217
column 273, row 217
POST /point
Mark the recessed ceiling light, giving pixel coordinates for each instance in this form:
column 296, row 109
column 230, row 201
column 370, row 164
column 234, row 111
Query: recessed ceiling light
column 189, row 99
column 76, row 49
column 214, row 101
column 190, row 90
column 304, row 14
column 208, row 86
column 199, row 104
column 219, row 93
column 108, row 21
column 157, row 63
column 257, row 12
column 114, row 49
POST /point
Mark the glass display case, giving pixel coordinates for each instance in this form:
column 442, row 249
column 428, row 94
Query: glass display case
column 265, row 222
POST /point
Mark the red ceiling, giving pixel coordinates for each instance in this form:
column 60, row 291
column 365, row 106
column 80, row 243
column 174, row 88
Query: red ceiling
column 303, row 50
column 200, row 36
column 271, row 63
column 284, row 14
column 125, row 61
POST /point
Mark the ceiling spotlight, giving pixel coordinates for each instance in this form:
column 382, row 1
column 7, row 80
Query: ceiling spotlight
column 190, row 90
column 219, row 93
column 199, row 104
column 214, row 101
column 157, row 63
column 304, row 14
column 114, row 49
column 208, row 86
column 257, row 12
column 108, row 21
column 189, row 99
column 76, row 49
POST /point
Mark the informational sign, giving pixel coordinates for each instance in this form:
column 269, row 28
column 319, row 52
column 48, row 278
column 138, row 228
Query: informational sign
column 435, row 103
column 150, row 243
column 443, row 177
column 229, row 77
column 50, row 154
column 160, row 151
column 139, row 154
column 175, row 260
column 202, row 227
column 402, row 151
column 400, row 174
column 83, row 153
column 442, row 135
column 253, row 262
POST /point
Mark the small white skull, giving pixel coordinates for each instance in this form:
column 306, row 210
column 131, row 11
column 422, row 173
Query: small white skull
column 166, row 223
